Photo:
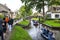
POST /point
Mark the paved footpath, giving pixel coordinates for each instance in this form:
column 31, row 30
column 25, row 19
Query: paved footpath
column 9, row 33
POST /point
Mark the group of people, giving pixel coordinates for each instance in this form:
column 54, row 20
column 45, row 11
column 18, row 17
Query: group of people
column 6, row 25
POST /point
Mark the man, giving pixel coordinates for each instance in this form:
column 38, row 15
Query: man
column 10, row 24
column 1, row 29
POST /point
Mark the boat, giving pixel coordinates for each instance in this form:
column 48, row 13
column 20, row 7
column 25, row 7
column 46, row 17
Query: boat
column 47, row 34
column 35, row 23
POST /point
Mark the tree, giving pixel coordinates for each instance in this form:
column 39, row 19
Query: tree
column 38, row 4
column 24, row 12
column 53, row 2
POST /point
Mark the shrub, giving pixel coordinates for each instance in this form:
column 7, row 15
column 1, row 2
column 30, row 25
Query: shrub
column 24, row 22
column 1, row 16
column 57, row 21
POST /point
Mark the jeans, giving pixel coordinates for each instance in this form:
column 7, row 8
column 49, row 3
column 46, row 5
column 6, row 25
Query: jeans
column 9, row 27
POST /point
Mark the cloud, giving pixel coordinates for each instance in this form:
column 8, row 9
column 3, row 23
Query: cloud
column 12, row 4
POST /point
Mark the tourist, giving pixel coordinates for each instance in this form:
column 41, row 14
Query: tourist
column 7, row 20
column 4, row 28
column 1, row 29
column 12, row 20
column 10, row 24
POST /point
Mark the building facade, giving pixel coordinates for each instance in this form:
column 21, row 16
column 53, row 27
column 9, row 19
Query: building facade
column 4, row 10
column 53, row 12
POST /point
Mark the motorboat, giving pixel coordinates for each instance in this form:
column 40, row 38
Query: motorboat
column 47, row 34
column 35, row 23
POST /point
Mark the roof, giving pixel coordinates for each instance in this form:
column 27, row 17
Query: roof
column 3, row 12
column 5, row 6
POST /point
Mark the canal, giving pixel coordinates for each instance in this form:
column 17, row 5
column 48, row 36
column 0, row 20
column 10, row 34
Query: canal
column 35, row 32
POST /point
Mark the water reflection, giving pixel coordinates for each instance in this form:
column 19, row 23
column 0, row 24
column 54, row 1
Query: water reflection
column 35, row 32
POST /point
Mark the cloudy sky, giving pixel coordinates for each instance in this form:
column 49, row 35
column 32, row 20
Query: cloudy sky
column 12, row 4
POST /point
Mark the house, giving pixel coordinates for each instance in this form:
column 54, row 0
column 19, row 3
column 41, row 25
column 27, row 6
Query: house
column 4, row 10
column 53, row 12
column 37, row 14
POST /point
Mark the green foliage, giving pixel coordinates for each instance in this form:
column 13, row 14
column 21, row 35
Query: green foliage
column 35, row 3
column 35, row 19
column 2, row 16
column 18, row 16
column 57, row 21
column 24, row 22
column 39, row 4
column 53, row 2
column 53, row 23
column 19, row 33
column 24, row 11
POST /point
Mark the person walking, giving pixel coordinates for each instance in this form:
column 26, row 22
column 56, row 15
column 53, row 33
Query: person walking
column 4, row 28
column 12, row 20
column 10, row 24
column 7, row 20
column 1, row 29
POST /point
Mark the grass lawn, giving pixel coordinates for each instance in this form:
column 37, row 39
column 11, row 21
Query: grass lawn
column 25, row 22
column 19, row 33
column 52, row 23
column 35, row 18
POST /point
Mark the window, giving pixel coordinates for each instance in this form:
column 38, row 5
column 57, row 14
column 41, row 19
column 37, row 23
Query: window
column 58, row 8
column 56, row 16
column 54, row 8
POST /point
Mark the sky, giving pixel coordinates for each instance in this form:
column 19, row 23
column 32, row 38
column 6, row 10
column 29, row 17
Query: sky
column 14, row 5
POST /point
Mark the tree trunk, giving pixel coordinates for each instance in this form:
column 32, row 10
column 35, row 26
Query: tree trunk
column 43, row 11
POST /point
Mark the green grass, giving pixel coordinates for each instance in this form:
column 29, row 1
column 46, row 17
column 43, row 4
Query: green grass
column 2, row 16
column 35, row 18
column 52, row 23
column 19, row 33
column 24, row 22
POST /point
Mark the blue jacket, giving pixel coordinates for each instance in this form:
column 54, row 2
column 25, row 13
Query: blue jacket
column 1, row 21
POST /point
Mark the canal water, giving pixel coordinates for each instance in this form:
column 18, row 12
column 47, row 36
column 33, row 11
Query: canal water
column 35, row 32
